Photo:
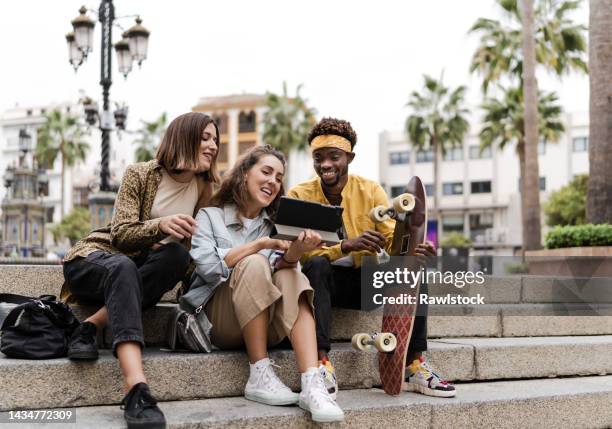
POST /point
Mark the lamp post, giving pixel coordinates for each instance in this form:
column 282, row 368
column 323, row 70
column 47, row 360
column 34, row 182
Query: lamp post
column 132, row 47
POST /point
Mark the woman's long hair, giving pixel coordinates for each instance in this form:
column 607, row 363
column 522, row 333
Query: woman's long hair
column 233, row 189
column 180, row 147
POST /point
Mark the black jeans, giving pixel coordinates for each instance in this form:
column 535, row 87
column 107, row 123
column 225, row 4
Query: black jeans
column 337, row 286
column 125, row 285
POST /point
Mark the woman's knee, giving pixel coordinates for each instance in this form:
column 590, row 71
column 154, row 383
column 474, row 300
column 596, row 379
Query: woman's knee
column 175, row 255
column 254, row 264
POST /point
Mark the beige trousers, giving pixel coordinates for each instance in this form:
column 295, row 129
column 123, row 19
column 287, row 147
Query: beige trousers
column 250, row 290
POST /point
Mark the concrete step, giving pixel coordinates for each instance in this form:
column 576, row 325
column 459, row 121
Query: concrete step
column 182, row 376
column 34, row 280
column 571, row 402
column 507, row 320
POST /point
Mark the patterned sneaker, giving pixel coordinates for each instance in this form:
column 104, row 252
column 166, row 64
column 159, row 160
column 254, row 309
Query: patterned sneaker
column 316, row 399
column 423, row 379
column 328, row 372
column 265, row 387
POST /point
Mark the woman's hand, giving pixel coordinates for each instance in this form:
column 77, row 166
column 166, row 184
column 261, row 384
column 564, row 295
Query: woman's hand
column 178, row 225
column 274, row 244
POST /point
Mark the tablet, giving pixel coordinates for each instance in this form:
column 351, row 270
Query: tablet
column 294, row 216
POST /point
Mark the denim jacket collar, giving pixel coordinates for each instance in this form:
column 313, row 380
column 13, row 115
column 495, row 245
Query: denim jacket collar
column 230, row 215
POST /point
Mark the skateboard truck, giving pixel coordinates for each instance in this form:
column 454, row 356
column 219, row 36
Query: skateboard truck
column 384, row 342
column 403, row 203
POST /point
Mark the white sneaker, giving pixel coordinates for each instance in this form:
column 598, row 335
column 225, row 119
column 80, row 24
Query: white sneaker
column 265, row 387
column 316, row 399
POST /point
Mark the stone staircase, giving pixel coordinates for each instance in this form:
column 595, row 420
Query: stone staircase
column 528, row 358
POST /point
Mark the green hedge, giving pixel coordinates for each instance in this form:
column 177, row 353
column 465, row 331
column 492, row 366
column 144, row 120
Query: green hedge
column 579, row 236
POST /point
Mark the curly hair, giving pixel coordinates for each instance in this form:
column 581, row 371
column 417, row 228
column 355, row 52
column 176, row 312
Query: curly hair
column 337, row 127
column 233, row 189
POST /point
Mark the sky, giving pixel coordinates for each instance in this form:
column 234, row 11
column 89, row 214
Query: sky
column 357, row 60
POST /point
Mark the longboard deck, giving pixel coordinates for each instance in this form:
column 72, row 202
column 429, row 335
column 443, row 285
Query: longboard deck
column 399, row 318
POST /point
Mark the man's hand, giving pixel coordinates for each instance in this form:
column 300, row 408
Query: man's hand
column 178, row 225
column 425, row 252
column 372, row 241
column 274, row 244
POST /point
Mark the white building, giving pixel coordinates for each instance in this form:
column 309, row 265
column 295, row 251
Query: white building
column 80, row 175
column 480, row 193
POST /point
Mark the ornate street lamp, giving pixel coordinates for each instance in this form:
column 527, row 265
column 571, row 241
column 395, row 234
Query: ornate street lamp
column 132, row 47
column 139, row 41
column 25, row 141
column 75, row 55
column 83, row 31
column 124, row 56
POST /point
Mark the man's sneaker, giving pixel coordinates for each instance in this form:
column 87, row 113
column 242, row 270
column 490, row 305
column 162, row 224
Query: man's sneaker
column 423, row 379
column 141, row 410
column 328, row 372
column 316, row 399
column 82, row 344
column 265, row 387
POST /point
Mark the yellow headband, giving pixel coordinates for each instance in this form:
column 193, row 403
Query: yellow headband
column 330, row 140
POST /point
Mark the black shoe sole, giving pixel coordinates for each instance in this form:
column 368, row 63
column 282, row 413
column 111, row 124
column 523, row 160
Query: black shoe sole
column 140, row 424
column 83, row 356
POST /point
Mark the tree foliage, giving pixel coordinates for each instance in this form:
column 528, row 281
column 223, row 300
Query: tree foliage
column 73, row 226
column 287, row 121
column 567, row 206
column 151, row 134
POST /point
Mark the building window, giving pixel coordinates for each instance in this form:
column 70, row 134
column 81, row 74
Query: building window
column 453, row 188
column 246, row 122
column 49, row 211
column 221, row 121
column 429, row 189
column 482, row 187
column 222, row 155
column 245, row 146
column 476, row 154
column 452, row 223
column 454, row 154
column 424, row 156
column 542, row 148
column 481, row 221
column 397, row 190
column 580, row 144
column 396, row 158
column 542, row 183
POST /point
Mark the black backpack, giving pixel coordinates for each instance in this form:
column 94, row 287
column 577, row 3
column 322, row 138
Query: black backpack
column 37, row 328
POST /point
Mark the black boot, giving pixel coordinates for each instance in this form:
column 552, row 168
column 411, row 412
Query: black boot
column 82, row 345
column 141, row 410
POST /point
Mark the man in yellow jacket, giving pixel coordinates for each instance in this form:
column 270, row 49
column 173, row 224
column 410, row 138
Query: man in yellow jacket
column 335, row 272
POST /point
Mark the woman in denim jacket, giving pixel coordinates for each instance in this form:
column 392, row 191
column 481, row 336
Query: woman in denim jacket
column 252, row 291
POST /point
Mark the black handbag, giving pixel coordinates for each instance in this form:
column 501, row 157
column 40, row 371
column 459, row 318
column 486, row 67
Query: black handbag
column 37, row 328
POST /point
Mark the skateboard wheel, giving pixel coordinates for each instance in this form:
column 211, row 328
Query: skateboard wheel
column 385, row 342
column 404, row 203
column 379, row 214
column 359, row 341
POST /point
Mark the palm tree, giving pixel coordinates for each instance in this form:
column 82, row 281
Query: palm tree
column 544, row 36
column 599, row 196
column 437, row 122
column 560, row 45
column 151, row 134
column 287, row 121
column 62, row 134
column 504, row 124
column 532, row 228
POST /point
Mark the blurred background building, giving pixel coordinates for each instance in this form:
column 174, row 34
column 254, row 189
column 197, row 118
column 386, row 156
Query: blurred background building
column 480, row 191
